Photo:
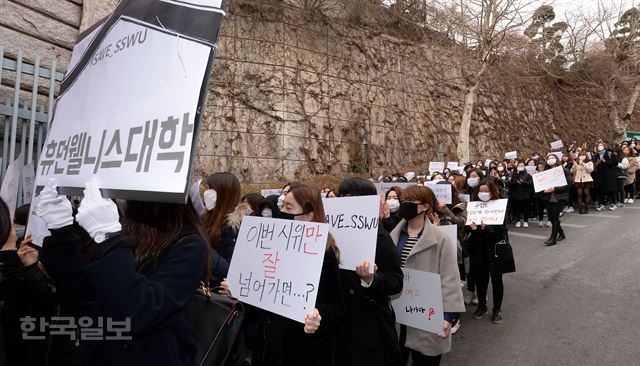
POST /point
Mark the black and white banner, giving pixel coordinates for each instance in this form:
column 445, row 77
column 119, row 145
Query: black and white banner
column 130, row 104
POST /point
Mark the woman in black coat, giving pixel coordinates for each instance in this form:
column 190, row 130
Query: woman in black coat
column 520, row 193
column 367, row 335
column 556, row 198
column 606, row 173
column 141, row 277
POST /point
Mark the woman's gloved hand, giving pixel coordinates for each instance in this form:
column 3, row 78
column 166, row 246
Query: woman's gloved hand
column 55, row 210
column 97, row 214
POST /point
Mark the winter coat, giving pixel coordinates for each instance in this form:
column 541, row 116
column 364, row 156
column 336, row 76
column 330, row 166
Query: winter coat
column 367, row 335
column 606, row 172
column 481, row 247
column 283, row 342
column 520, row 186
column 391, row 222
column 27, row 292
column 560, row 194
column 632, row 168
column 433, row 253
column 582, row 172
column 223, row 252
column 457, row 215
column 153, row 300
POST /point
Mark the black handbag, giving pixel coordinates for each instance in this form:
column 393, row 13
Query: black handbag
column 502, row 260
column 217, row 321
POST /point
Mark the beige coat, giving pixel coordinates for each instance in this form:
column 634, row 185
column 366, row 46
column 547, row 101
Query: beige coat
column 434, row 253
column 633, row 167
column 582, row 172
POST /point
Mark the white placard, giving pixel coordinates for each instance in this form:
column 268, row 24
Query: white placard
column 11, row 184
column 464, row 197
column 28, row 175
column 451, row 231
column 436, row 166
column 557, row 153
column 270, row 192
column 557, row 145
column 531, row 169
column 419, row 305
column 354, row 225
column 490, row 212
column 549, row 178
column 488, row 162
column 442, row 191
column 511, row 155
column 383, row 187
column 452, row 165
column 276, row 265
column 196, row 198
column 129, row 109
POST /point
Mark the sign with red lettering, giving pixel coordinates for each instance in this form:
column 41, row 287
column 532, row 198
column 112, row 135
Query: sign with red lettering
column 490, row 212
column 276, row 265
column 419, row 305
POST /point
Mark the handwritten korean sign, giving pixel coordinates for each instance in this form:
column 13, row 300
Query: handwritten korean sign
column 354, row 225
column 442, row 191
column 276, row 265
column 419, row 305
column 490, row 212
column 549, row 178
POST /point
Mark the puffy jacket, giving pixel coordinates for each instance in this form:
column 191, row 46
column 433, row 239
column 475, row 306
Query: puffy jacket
column 582, row 172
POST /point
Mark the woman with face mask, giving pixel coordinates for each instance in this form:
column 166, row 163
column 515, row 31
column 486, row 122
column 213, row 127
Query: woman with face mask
column 581, row 170
column 473, row 179
column 556, row 197
column 422, row 246
column 538, row 199
column 630, row 180
column 482, row 241
column 520, row 193
column 606, row 164
column 284, row 342
column 390, row 215
column 567, row 163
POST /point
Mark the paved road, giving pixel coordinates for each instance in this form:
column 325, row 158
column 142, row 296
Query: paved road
column 577, row 303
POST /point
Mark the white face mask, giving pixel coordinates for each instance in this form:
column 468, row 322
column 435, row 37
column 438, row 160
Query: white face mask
column 600, row 148
column 210, row 198
column 582, row 158
column 500, row 169
column 473, row 182
column 394, row 205
column 484, row 196
column 633, row 145
column 438, row 179
column 551, row 162
column 266, row 212
column 281, row 201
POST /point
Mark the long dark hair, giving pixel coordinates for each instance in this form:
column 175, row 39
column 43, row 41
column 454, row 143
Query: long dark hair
column 153, row 227
column 311, row 201
column 227, row 187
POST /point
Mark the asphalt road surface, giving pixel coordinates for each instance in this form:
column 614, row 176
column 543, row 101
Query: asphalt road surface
column 576, row 303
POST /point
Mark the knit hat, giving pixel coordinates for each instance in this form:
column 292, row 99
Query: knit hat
column 5, row 222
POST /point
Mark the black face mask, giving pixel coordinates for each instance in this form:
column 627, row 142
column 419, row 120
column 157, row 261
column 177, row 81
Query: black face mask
column 408, row 210
column 288, row 216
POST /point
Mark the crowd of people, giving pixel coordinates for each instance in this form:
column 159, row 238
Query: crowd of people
column 142, row 261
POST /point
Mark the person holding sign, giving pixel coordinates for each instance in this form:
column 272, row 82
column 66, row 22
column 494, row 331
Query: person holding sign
column 421, row 246
column 282, row 341
column 556, row 197
column 481, row 244
column 367, row 335
column 520, row 192
column 141, row 277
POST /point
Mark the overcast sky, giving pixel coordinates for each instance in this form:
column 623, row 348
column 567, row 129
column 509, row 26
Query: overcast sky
column 563, row 6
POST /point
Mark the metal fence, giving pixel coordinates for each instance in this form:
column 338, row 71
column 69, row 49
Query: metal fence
column 25, row 123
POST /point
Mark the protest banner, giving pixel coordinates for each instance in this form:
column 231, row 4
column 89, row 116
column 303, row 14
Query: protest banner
column 196, row 198
column 270, row 192
column 28, row 175
column 488, row 162
column 383, row 187
column 354, row 225
column 134, row 127
column 419, row 305
column 489, row 213
column 11, row 184
column 451, row 231
column 511, row 155
column 442, row 191
column 549, row 178
column 556, row 153
column 276, row 265
column 452, row 165
column 464, row 197
column 436, row 166
column 556, row 145
column 531, row 169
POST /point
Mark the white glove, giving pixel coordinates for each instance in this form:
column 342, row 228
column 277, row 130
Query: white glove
column 210, row 198
column 53, row 209
column 97, row 214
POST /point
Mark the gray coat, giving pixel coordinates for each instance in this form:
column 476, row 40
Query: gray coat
column 434, row 253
